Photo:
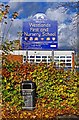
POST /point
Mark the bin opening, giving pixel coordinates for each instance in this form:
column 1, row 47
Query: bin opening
column 26, row 86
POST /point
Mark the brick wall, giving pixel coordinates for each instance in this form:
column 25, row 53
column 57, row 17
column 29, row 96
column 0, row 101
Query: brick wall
column 15, row 58
column 73, row 61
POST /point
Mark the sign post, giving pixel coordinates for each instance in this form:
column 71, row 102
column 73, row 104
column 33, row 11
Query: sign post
column 40, row 33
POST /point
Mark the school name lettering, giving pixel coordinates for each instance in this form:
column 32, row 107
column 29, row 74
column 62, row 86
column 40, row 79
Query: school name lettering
column 43, row 34
column 39, row 27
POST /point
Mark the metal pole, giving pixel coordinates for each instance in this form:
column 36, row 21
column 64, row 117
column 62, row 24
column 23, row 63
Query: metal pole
column 52, row 55
column 26, row 55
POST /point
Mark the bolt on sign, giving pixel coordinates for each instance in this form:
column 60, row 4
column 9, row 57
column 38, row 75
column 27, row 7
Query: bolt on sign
column 40, row 33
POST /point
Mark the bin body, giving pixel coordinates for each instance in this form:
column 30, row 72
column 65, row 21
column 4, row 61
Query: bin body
column 28, row 91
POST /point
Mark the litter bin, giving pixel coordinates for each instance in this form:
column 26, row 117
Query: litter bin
column 28, row 92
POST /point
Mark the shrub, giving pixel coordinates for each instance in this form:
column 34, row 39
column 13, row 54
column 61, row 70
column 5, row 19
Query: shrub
column 56, row 88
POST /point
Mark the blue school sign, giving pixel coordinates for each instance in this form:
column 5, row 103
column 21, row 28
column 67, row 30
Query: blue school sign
column 40, row 33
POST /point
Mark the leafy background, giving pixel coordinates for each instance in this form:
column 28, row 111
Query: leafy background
column 57, row 90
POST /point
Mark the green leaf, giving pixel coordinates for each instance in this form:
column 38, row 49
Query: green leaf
column 61, row 80
column 15, row 92
column 5, row 92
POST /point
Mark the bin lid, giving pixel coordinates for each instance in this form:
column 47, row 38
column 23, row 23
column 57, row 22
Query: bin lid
column 28, row 84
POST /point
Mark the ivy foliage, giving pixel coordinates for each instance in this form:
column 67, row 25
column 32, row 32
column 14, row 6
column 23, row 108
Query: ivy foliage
column 57, row 88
